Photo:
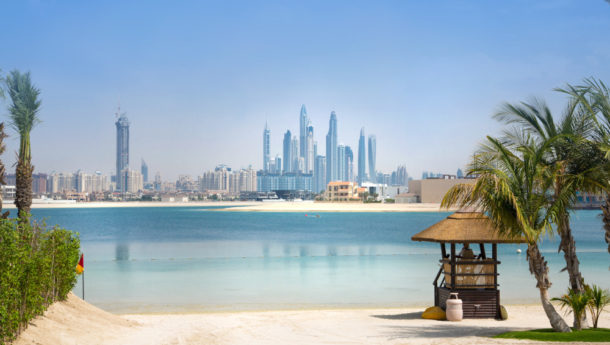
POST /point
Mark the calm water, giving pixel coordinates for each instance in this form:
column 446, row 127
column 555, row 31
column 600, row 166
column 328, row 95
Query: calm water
column 199, row 259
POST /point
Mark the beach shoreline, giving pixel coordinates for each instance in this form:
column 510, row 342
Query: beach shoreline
column 250, row 206
column 75, row 321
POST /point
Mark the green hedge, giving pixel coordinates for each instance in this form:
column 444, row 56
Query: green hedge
column 37, row 268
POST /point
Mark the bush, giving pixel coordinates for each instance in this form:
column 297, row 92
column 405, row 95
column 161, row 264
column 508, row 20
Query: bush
column 598, row 300
column 37, row 268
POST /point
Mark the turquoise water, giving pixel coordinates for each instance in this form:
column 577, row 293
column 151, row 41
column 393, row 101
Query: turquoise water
column 177, row 259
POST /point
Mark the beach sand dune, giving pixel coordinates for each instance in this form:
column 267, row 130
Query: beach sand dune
column 77, row 322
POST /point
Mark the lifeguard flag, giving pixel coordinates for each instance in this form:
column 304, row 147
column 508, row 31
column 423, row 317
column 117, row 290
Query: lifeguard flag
column 80, row 268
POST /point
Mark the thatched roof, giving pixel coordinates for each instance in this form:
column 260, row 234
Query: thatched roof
column 464, row 227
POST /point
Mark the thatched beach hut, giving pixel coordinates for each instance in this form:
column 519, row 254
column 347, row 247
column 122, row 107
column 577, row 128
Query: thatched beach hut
column 473, row 277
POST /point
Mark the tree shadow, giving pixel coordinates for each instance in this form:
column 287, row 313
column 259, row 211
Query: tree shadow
column 443, row 330
column 407, row 316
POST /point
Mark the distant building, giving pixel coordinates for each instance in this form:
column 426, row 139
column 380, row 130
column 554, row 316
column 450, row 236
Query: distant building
column 269, row 182
column 372, row 157
column 361, row 157
column 400, row 176
column 309, row 151
column 266, row 148
column 331, row 149
column 341, row 163
column 459, row 173
column 144, row 171
column 320, row 174
column 131, row 181
column 432, row 190
column 342, row 191
column 349, row 164
column 304, row 125
column 122, row 147
column 287, row 157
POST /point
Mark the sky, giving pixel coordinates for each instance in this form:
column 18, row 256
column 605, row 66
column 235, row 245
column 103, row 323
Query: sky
column 198, row 80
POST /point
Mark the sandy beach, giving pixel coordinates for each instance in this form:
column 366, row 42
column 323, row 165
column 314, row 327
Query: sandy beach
column 250, row 206
column 77, row 322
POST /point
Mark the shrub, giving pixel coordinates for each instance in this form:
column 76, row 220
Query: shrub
column 599, row 299
column 37, row 268
column 577, row 302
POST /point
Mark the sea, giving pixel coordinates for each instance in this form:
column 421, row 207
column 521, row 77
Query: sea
column 200, row 259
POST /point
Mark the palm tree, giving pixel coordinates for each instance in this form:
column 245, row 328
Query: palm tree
column 23, row 113
column 575, row 157
column 511, row 188
column 594, row 98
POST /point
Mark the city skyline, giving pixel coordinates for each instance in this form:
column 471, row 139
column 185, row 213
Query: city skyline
column 424, row 77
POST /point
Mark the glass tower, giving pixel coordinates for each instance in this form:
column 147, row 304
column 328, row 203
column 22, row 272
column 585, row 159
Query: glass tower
column 122, row 148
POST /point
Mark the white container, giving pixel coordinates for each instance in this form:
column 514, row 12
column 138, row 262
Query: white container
column 454, row 308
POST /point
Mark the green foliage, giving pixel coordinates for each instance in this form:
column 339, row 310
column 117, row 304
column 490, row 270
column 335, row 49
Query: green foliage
column 37, row 268
column 389, row 201
column 599, row 299
column 586, row 335
column 577, row 303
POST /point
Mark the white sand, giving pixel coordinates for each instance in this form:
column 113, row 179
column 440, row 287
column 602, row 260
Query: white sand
column 76, row 322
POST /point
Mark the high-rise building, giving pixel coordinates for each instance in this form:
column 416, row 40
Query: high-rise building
column 372, row 157
column 287, row 157
column 309, row 151
column 131, row 180
column 361, row 158
column 144, row 171
column 459, row 173
column 349, row 164
column 266, row 147
column 320, row 174
column 341, row 163
column 331, row 149
column 122, row 147
column 297, row 161
column 303, row 126
column 401, row 178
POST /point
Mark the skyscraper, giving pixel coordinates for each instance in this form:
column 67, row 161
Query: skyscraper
column 361, row 158
column 320, row 174
column 266, row 150
column 309, row 151
column 287, row 157
column 349, row 164
column 341, row 163
column 304, row 123
column 296, row 159
column 144, row 171
column 372, row 157
column 331, row 149
column 122, row 148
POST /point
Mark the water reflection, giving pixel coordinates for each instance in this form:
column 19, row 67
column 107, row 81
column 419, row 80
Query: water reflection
column 121, row 252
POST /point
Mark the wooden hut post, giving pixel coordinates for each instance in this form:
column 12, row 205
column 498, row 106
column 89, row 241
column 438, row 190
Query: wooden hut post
column 494, row 254
column 443, row 250
column 453, row 282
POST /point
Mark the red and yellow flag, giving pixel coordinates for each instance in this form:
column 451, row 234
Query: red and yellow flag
column 80, row 268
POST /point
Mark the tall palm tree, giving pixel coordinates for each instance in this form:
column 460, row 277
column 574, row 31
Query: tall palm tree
column 23, row 113
column 594, row 97
column 511, row 188
column 574, row 156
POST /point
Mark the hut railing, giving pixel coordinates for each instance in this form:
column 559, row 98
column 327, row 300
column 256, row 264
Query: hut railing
column 470, row 273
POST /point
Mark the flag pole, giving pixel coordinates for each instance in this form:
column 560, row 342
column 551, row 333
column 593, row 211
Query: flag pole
column 83, row 285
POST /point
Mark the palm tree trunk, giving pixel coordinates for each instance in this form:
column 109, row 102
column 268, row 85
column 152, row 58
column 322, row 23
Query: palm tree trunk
column 540, row 270
column 2, row 170
column 568, row 246
column 606, row 212
column 23, row 194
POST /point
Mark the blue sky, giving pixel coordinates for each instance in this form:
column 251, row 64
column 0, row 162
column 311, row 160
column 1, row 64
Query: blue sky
column 198, row 80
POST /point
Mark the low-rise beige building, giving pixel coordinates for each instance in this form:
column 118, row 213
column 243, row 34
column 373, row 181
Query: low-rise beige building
column 342, row 191
column 434, row 189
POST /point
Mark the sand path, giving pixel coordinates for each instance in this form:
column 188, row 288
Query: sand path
column 77, row 322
